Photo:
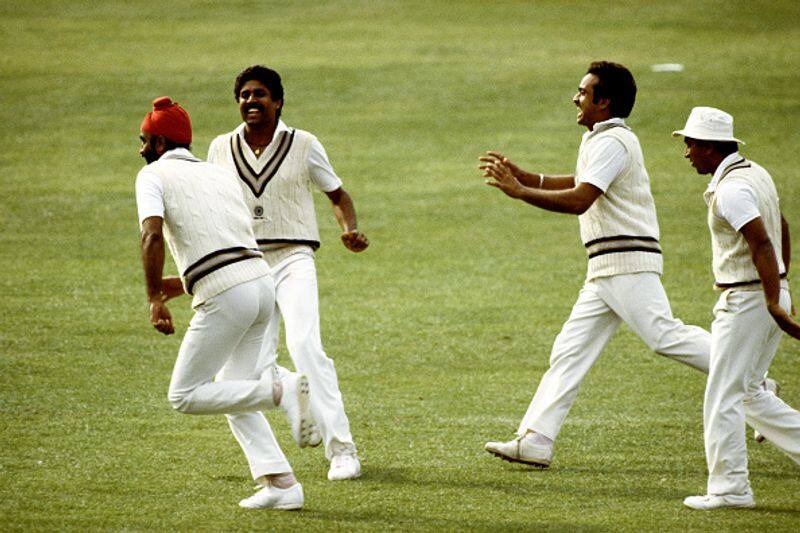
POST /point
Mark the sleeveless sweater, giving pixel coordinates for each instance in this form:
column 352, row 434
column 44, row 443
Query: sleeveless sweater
column 732, row 264
column 207, row 227
column 620, row 229
column 279, row 196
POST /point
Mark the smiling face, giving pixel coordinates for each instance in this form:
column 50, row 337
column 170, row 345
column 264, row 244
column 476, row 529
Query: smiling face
column 589, row 111
column 256, row 105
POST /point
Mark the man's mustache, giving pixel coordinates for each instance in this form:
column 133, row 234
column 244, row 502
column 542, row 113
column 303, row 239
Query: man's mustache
column 256, row 106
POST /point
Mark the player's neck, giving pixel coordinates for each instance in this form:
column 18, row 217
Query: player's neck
column 259, row 136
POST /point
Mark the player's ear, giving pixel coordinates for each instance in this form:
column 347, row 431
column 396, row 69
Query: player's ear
column 160, row 144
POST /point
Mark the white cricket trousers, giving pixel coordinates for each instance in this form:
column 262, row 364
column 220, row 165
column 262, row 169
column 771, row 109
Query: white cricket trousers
column 226, row 338
column 744, row 339
column 298, row 303
column 603, row 303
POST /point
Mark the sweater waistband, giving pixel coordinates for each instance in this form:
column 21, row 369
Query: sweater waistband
column 724, row 286
column 214, row 261
column 622, row 243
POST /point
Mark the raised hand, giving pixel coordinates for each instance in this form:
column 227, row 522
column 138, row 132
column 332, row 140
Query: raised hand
column 496, row 157
column 500, row 175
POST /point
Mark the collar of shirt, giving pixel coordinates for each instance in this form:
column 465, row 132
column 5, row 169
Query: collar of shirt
column 178, row 153
column 279, row 128
column 725, row 163
column 605, row 124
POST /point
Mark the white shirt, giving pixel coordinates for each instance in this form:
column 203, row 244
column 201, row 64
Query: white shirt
column 319, row 166
column 150, row 190
column 607, row 159
column 735, row 200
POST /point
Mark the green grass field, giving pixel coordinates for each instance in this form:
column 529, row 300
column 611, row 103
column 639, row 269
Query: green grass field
column 441, row 330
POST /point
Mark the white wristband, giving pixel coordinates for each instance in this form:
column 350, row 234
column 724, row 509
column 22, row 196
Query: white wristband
column 541, row 179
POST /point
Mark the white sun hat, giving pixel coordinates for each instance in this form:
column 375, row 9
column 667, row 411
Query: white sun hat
column 708, row 124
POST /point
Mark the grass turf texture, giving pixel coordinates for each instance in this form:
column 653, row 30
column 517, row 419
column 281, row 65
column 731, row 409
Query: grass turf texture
column 441, row 330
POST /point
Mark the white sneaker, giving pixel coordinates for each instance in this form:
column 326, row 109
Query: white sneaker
column 774, row 387
column 294, row 402
column 522, row 450
column 719, row 501
column 274, row 498
column 344, row 466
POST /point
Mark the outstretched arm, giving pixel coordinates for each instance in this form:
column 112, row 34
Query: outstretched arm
column 763, row 254
column 575, row 200
column 345, row 213
column 534, row 180
column 152, row 244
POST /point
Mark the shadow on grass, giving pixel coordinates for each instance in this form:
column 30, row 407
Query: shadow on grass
column 419, row 521
column 768, row 509
column 514, row 480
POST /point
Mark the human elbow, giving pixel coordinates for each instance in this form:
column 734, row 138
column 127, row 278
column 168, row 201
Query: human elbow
column 151, row 239
column 580, row 207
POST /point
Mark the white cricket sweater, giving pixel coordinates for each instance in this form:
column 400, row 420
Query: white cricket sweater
column 206, row 226
column 279, row 197
column 620, row 229
column 732, row 264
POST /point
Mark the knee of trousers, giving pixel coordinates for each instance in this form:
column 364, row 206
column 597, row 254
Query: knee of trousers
column 660, row 341
column 179, row 400
column 754, row 395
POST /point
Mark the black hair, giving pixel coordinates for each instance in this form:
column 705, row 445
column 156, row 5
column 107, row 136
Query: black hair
column 267, row 76
column 171, row 145
column 616, row 83
column 723, row 148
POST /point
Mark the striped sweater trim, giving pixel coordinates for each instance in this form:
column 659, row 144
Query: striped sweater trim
column 622, row 243
column 736, row 165
column 263, row 244
column 742, row 283
column 257, row 181
column 214, row 261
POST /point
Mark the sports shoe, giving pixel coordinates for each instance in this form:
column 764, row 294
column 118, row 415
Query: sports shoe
column 294, row 402
column 274, row 498
column 719, row 501
column 315, row 437
column 344, row 466
column 522, row 450
column 774, row 387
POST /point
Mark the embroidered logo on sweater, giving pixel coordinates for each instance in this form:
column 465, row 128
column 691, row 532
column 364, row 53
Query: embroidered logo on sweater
column 257, row 181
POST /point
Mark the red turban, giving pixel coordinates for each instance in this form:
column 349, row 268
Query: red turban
column 168, row 119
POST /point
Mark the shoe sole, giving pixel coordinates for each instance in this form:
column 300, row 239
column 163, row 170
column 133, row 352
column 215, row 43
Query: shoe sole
column 315, row 439
column 345, row 478
column 759, row 437
column 541, row 465
column 287, row 507
column 737, row 506
column 307, row 425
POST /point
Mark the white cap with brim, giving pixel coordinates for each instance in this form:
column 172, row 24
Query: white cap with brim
column 709, row 124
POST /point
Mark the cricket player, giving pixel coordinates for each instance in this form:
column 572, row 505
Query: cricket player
column 198, row 209
column 610, row 193
column 277, row 168
column 751, row 253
